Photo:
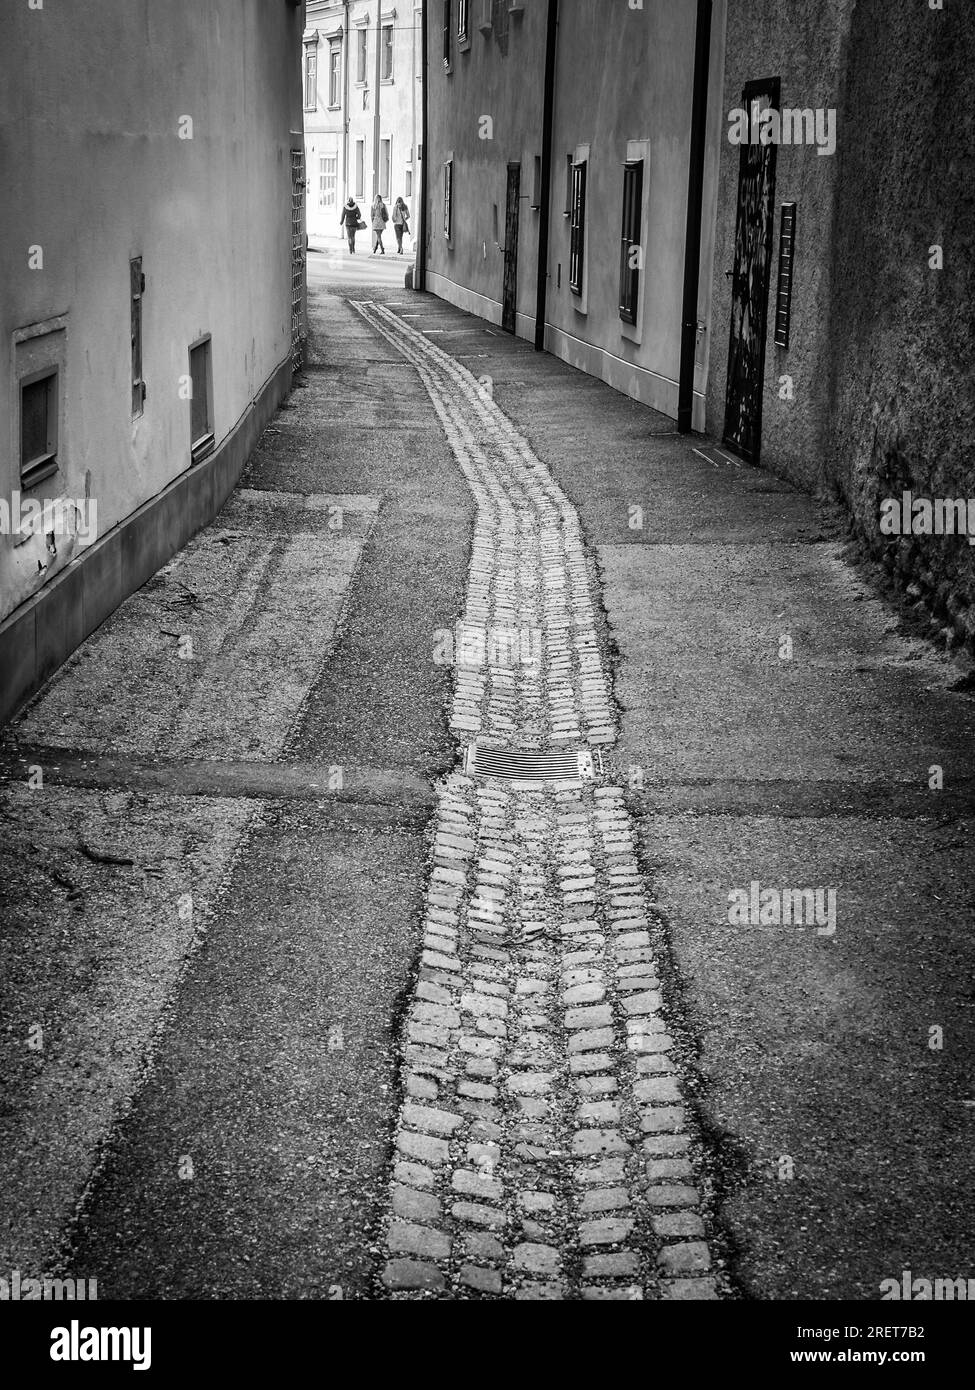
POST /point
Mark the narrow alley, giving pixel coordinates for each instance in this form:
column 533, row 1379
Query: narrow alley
column 415, row 1029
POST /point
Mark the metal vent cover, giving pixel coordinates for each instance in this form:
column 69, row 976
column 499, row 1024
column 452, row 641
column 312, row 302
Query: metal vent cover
column 523, row 765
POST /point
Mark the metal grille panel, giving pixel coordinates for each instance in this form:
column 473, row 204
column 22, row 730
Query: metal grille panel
column 297, row 254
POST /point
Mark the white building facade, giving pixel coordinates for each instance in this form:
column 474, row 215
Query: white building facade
column 361, row 64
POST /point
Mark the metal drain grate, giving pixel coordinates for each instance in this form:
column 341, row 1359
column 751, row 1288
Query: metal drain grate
column 519, row 765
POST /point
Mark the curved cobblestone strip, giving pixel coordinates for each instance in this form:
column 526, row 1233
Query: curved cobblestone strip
column 541, row 1148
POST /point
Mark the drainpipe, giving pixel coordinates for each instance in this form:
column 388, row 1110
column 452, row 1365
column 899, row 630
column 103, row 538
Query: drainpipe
column 695, row 200
column 544, row 214
column 375, row 121
column 347, row 55
column 420, row 270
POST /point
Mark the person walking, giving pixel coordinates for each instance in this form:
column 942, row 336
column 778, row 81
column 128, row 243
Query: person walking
column 350, row 219
column 401, row 223
column 379, row 219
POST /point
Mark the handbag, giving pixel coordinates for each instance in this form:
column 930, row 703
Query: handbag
column 360, row 226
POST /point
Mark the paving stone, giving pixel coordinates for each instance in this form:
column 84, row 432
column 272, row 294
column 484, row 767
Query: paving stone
column 477, row 1090
column 666, row 1145
column 423, row 1147
column 661, row 1119
column 428, row 1120
column 413, row 1274
column 678, row 1223
column 415, row 1206
column 687, row 1258
column 593, row 1293
column 596, row 1085
column 536, row 1201
column 584, row 994
column 407, row 1238
column 537, row 1259
column 536, row 1292
column 623, row 1265
column 657, row 1089
column 607, row 1230
column 439, row 961
column 413, row 1174
column 479, row 1245
column 605, row 1199
column 591, row 1040
column 478, row 1214
column 476, row 1277
column 598, row 1141
column 589, row 1062
column 530, row 1083
column 688, row 1289
column 421, row 1086
column 477, row 1184
column 671, row 1195
column 667, row 1169
column 649, row 1002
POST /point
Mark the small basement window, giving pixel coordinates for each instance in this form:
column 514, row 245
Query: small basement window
column 201, row 401
column 38, row 426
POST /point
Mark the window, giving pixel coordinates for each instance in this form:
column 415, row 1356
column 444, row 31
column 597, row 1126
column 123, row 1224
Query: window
column 568, row 186
column 136, row 288
column 38, row 426
column 448, row 197
column 311, row 77
column 577, row 226
column 408, row 175
column 361, row 55
column 327, row 179
column 446, row 33
column 462, row 8
column 201, row 407
column 385, row 166
column 387, row 68
column 335, row 73
column 783, row 293
column 631, row 251
column 360, row 168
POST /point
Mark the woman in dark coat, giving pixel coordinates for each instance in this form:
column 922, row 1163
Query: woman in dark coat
column 350, row 219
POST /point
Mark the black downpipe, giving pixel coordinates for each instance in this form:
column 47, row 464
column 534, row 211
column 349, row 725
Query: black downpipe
column 420, row 272
column 695, row 199
column 544, row 216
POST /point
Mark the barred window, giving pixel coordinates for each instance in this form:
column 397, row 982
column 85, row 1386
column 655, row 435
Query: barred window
column 577, row 228
column 631, row 252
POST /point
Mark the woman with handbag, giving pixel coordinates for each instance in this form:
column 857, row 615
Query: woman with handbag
column 351, row 220
column 401, row 223
column 379, row 219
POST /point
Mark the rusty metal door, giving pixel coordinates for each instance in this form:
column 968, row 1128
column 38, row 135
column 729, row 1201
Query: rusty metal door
column 298, row 244
column 510, row 297
column 750, row 276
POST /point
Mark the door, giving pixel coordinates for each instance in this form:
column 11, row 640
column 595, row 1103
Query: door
column 510, row 298
column 750, row 275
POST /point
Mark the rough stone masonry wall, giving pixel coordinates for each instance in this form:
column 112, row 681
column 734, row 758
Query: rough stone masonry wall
column 901, row 333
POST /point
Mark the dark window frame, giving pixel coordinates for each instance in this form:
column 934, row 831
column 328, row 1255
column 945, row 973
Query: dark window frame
column 362, row 56
column 202, row 440
column 631, row 235
column 448, row 198
column 386, row 69
column 41, row 465
column 577, row 227
column 311, row 76
column 137, row 286
column 447, row 34
column 334, row 74
column 463, row 19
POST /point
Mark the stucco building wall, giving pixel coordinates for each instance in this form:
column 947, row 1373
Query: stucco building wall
column 133, row 129
column 880, row 353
